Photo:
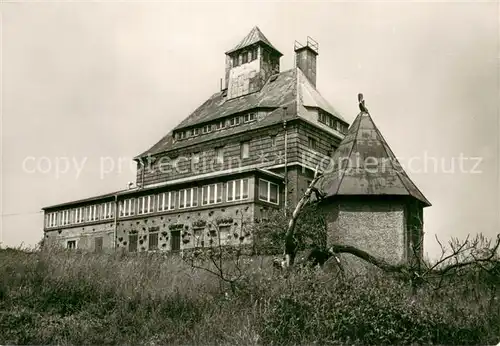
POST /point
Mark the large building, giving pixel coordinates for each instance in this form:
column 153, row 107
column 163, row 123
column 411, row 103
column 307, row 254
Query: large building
column 251, row 147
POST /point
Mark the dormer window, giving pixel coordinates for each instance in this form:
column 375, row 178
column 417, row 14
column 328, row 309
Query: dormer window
column 249, row 117
column 234, row 121
column 206, row 128
column 220, row 125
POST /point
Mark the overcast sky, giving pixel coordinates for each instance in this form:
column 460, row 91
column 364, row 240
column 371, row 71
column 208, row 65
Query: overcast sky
column 91, row 82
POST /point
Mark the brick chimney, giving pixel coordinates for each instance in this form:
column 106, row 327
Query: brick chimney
column 305, row 58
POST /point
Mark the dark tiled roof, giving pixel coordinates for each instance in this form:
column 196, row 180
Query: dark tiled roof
column 351, row 174
column 276, row 93
column 254, row 36
column 289, row 88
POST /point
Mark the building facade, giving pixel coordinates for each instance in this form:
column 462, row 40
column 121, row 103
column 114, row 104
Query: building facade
column 251, row 147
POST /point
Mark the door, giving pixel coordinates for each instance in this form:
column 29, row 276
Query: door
column 98, row 244
column 175, row 241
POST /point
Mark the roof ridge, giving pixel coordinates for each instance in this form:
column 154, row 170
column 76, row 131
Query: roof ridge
column 354, row 141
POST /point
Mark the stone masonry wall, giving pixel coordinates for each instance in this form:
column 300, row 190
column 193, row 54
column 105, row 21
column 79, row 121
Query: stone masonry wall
column 377, row 227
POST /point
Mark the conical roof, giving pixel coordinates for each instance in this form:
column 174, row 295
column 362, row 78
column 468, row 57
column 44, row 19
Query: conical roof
column 254, row 36
column 364, row 165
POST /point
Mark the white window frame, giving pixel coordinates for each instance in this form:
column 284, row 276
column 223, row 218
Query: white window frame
column 92, row 214
column 233, row 184
column 196, row 131
column 65, row 217
column 52, row 220
column 242, row 151
column 166, row 201
column 249, row 117
column 219, row 155
column 217, row 187
column 126, row 207
column 193, row 201
column 107, row 210
column 145, row 205
column 79, row 215
column 206, row 128
column 268, row 200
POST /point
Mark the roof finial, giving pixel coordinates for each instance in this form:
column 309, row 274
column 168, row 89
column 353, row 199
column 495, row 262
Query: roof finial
column 362, row 106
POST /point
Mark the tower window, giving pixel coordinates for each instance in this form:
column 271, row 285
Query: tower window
column 254, row 53
column 244, row 57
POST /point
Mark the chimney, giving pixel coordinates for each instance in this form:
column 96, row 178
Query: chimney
column 305, row 58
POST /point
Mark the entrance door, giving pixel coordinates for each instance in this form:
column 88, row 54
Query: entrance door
column 175, row 241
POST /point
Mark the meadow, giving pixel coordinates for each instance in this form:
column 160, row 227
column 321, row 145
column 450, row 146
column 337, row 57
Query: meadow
column 67, row 297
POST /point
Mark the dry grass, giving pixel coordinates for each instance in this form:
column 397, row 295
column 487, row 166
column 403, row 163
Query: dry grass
column 60, row 297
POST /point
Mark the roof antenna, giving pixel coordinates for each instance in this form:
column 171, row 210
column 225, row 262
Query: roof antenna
column 362, row 106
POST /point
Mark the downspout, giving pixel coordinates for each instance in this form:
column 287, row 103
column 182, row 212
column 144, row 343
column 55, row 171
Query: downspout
column 286, row 160
column 116, row 222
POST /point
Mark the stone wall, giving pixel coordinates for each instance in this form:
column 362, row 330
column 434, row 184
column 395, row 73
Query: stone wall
column 200, row 227
column 377, row 227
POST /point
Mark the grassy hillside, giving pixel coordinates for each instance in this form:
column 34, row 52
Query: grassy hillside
column 59, row 297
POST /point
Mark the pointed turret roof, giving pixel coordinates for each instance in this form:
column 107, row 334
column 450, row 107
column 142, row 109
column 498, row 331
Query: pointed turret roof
column 254, row 36
column 365, row 165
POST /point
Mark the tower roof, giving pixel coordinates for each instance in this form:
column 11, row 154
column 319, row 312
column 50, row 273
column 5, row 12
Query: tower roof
column 364, row 165
column 254, row 36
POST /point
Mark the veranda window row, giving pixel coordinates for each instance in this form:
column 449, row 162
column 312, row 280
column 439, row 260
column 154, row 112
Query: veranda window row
column 231, row 191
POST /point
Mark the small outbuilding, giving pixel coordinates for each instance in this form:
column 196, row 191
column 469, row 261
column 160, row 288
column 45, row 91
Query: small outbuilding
column 368, row 199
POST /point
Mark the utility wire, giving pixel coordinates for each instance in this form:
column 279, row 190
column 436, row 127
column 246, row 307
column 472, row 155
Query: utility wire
column 18, row 214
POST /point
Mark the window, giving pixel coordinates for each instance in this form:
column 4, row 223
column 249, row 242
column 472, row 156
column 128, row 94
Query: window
column 235, row 61
column 273, row 141
column 206, row 128
column 244, row 57
column 219, row 154
column 254, row 53
column 181, row 135
column 188, row 198
column 245, row 150
column 268, row 191
column 79, row 215
column 322, row 117
column 145, row 205
column 153, row 241
column 166, row 201
column 52, row 220
column 98, row 244
column 237, row 190
column 127, row 207
column 92, row 213
column 249, row 117
column 71, row 244
column 311, row 142
column 65, row 217
column 224, row 234
column 107, row 210
column 234, row 121
column 211, row 194
column 196, row 131
column 132, row 242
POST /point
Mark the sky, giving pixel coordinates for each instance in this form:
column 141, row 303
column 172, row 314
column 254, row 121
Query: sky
column 86, row 86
